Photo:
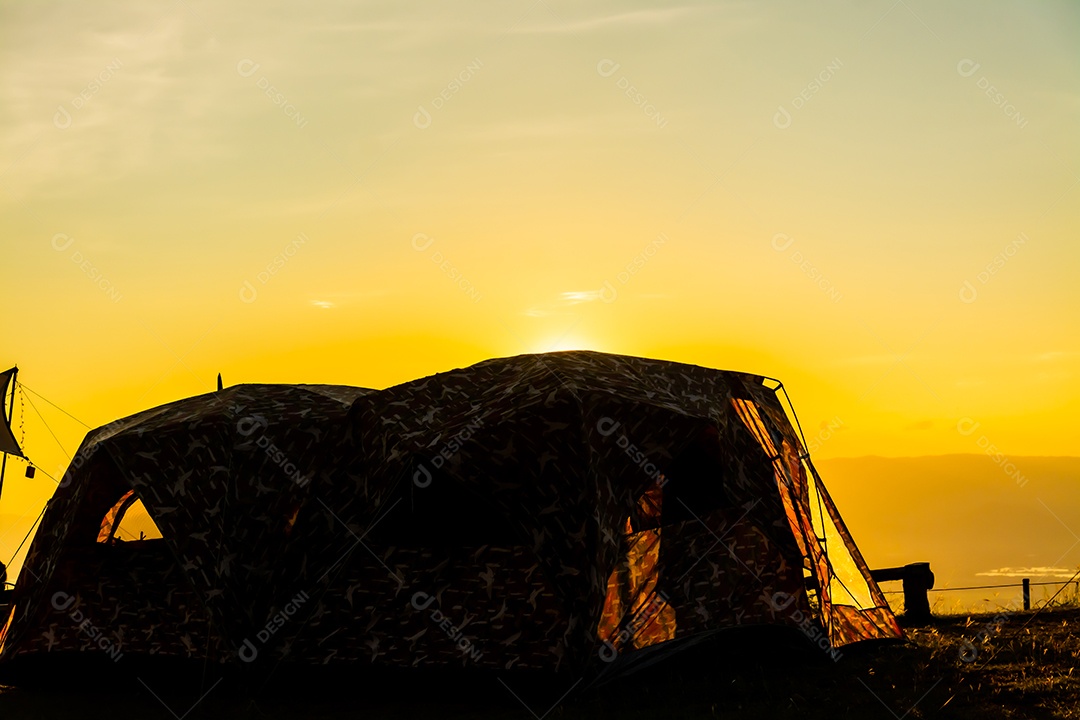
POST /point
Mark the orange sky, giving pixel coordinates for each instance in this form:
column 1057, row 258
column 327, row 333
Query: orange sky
column 875, row 203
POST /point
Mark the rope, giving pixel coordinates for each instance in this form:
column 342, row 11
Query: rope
column 49, row 428
column 23, row 385
column 16, row 553
column 43, row 472
column 22, row 415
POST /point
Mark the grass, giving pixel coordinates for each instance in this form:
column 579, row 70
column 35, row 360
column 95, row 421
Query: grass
column 1019, row 665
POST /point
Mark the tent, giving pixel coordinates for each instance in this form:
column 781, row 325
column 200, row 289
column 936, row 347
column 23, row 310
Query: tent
column 562, row 512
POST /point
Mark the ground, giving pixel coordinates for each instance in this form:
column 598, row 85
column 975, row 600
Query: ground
column 1019, row 665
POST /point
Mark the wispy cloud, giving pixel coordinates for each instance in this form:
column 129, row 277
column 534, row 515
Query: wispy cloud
column 636, row 18
column 576, row 297
column 1036, row 572
column 564, row 301
column 120, row 104
column 330, row 302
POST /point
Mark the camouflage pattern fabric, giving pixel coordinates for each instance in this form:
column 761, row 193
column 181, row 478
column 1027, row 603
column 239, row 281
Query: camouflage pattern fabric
column 549, row 512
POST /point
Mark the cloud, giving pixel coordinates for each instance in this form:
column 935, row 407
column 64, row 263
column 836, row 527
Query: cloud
column 329, row 302
column 565, row 300
column 1035, row 572
column 113, row 104
column 651, row 17
column 576, row 297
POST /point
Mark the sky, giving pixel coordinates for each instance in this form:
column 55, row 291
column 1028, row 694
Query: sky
column 874, row 202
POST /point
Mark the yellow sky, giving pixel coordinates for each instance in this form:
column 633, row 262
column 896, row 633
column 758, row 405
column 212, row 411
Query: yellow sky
column 875, row 202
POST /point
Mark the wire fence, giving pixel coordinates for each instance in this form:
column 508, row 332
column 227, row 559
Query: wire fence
column 1022, row 583
column 992, row 587
column 1025, row 585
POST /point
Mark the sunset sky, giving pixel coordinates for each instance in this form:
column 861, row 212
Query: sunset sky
column 875, row 202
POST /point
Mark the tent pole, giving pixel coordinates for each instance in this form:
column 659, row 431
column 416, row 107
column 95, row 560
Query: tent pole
column 7, row 418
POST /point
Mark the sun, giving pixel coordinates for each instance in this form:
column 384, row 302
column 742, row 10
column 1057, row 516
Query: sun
column 559, row 343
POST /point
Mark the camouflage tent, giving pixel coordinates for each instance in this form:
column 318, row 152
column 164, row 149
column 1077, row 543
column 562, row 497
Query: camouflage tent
column 557, row 512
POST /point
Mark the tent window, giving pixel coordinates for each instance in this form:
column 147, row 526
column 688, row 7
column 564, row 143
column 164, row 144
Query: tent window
column 847, row 585
column 845, row 582
column 636, row 614
column 127, row 521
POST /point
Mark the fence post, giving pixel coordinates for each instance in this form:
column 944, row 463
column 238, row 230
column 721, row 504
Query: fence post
column 1027, row 594
column 917, row 578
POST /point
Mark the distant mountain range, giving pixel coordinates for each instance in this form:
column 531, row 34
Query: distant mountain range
column 978, row 519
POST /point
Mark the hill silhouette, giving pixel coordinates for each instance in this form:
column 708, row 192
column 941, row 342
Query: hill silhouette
column 974, row 522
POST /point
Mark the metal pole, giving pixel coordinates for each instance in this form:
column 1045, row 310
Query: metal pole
column 1027, row 594
column 7, row 418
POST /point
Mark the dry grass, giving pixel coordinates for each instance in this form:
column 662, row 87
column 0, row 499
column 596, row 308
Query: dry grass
column 1020, row 665
column 1002, row 666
